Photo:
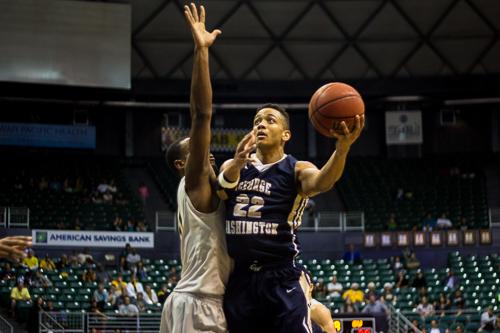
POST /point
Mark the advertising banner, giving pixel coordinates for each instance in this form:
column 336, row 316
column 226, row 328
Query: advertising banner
column 82, row 238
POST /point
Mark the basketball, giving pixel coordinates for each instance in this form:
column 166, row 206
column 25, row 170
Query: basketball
column 333, row 103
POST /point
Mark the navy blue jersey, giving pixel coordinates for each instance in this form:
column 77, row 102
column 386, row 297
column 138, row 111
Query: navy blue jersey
column 263, row 213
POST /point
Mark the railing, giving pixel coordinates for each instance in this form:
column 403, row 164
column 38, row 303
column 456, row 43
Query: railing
column 398, row 323
column 62, row 322
column 165, row 220
column 79, row 322
column 494, row 215
column 18, row 217
column 3, row 217
column 5, row 326
column 14, row 217
column 322, row 221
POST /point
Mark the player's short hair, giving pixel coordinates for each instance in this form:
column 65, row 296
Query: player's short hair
column 174, row 152
column 278, row 108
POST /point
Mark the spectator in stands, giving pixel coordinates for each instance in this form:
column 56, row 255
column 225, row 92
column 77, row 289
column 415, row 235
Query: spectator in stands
column 134, row 287
column 47, row 264
column 85, row 257
column 107, row 197
column 127, row 308
column 31, row 261
column 130, row 225
column 120, row 199
column 458, row 299
column 488, row 320
column 401, row 280
column 320, row 290
column 40, row 280
column 73, row 259
column 349, row 306
column 411, row 261
column 112, row 187
column 133, row 258
column 118, row 282
column 428, row 223
column 419, row 281
column 55, row 185
column 140, row 271
column 388, row 295
column 89, row 275
column 415, row 323
column 391, row 222
column 118, row 223
column 143, row 193
column 34, row 316
column 444, row 222
column 334, row 288
column 354, row 293
column 397, row 265
column 63, row 262
column 43, row 185
column 352, row 256
column 451, row 281
column 7, row 273
column 77, row 225
column 79, row 186
column 141, row 226
column 95, row 310
column 163, row 294
column 371, row 289
column 18, row 293
column 102, row 275
column 67, row 186
column 140, row 302
column 100, row 296
column 374, row 306
column 49, row 306
column 442, row 305
column 113, row 294
column 150, row 295
column 459, row 329
column 424, row 308
column 102, row 187
column 462, row 224
column 434, row 327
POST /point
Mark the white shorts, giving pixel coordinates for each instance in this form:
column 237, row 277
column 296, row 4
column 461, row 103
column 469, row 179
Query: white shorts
column 189, row 313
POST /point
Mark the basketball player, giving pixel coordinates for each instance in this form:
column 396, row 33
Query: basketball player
column 195, row 305
column 266, row 199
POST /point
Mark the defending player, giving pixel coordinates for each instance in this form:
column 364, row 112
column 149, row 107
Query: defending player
column 196, row 302
column 266, row 199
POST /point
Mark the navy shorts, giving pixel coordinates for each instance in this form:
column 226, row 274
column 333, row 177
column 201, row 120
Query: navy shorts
column 266, row 299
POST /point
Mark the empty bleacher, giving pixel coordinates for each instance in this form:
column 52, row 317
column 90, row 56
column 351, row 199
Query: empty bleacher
column 371, row 185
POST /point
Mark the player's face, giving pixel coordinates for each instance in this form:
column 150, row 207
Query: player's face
column 269, row 128
column 185, row 154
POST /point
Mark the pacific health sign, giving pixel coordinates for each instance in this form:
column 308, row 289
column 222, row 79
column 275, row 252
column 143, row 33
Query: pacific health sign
column 44, row 135
column 81, row 238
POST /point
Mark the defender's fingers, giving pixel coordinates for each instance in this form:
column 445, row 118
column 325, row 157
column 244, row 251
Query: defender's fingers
column 188, row 15
column 194, row 11
column 216, row 32
column 202, row 14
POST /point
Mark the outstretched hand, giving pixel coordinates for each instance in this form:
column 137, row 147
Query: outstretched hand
column 202, row 38
column 13, row 247
column 244, row 148
column 345, row 140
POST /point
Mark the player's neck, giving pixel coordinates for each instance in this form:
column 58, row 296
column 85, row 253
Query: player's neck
column 270, row 156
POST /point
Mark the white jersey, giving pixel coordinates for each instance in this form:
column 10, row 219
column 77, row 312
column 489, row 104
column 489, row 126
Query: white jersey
column 205, row 263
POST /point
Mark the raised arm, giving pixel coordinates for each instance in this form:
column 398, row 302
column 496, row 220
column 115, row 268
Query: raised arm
column 198, row 167
column 313, row 181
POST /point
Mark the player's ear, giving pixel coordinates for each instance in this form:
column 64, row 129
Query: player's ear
column 286, row 135
column 179, row 164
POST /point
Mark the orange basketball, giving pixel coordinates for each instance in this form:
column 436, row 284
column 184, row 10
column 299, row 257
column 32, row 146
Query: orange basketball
column 333, row 103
